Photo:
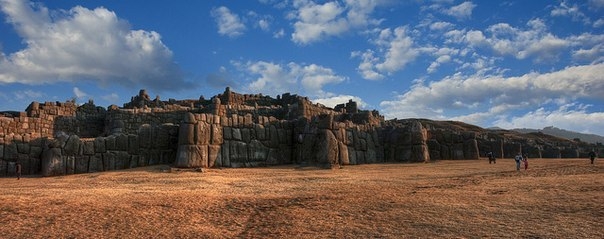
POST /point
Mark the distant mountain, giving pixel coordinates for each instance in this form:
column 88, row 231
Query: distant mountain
column 589, row 138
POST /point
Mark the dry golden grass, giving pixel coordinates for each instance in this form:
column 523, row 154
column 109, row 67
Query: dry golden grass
column 448, row 199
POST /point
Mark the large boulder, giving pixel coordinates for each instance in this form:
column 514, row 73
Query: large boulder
column 216, row 138
column 192, row 156
column 327, row 148
column 343, row 153
column 99, row 145
column 81, row 164
column 88, row 148
column 214, row 156
column 203, row 133
column 72, row 146
column 471, row 149
column 186, row 135
column 52, row 162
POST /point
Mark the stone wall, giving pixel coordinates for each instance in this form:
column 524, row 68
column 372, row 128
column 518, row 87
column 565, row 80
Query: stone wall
column 235, row 130
column 39, row 120
column 206, row 140
column 129, row 121
column 68, row 154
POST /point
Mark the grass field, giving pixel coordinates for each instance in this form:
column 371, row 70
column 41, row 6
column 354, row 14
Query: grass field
column 554, row 198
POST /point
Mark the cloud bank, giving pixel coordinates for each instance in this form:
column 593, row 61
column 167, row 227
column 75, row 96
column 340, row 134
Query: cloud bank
column 536, row 97
column 84, row 44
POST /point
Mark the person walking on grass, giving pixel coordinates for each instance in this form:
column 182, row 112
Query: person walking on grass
column 525, row 160
column 592, row 156
column 518, row 158
column 18, row 170
column 491, row 157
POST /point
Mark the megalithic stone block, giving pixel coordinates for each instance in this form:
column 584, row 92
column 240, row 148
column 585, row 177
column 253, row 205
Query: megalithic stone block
column 192, row 156
column 214, row 153
column 203, row 132
column 96, row 163
column 81, row 164
column 186, row 135
column 216, row 138
column 72, row 145
column 99, row 145
column 343, row 152
column 53, row 163
column 3, row 167
column 88, row 148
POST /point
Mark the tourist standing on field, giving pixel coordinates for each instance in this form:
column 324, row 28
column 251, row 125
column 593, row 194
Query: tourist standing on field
column 525, row 160
column 518, row 158
column 592, row 156
column 18, row 170
column 491, row 157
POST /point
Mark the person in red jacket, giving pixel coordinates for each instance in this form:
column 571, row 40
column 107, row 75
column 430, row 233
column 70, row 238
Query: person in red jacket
column 525, row 160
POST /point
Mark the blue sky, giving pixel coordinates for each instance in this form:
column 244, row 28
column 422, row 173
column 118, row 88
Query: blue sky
column 510, row 64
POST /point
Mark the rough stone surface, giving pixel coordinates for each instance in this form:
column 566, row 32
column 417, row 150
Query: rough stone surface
column 53, row 164
column 235, row 130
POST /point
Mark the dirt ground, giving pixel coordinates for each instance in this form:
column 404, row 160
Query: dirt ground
column 554, row 198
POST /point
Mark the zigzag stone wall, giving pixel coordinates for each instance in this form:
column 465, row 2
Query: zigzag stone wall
column 207, row 140
column 235, row 130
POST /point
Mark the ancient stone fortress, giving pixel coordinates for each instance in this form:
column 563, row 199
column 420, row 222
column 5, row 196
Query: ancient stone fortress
column 241, row 130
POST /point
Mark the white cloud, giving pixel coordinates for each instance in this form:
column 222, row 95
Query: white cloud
column 461, row 11
column 441, row 26
column 398, row 48
column 264, row 24
column 591, row 48
column 273, row 78
column 366, row 67
column 314, row 77
column 565, row 10
column 315, row 22
column 565, row 116
column 496, row 97
column 332, row 101
column 594, row 55
column 596, row 4
column 83, row 44
column 476, row 38
column 439, row 61
column 546, row 48
column 534, row 42
column 229, row 24
column 482, row 65
column 454, row 36
column 599, row 23
column 79, row 94
column 261, row 21
column 28, row 95
column 112, row 98
column 279, row 34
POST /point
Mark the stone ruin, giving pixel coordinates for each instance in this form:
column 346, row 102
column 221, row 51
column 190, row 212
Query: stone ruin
column 242, row 130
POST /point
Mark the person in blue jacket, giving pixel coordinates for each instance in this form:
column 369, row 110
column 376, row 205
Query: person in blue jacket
column 518, row 159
